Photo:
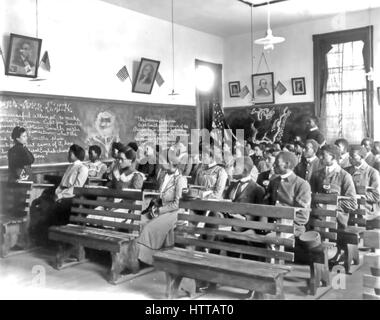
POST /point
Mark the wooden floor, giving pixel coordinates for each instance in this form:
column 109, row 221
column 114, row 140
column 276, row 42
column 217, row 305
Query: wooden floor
column 32, row 272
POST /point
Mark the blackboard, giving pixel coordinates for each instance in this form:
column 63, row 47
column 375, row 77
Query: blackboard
column 279, row 122
column 55, row 122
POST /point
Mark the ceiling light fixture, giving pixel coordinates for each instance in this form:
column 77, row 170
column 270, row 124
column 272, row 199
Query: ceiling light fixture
column 173, row 93
column 270, row 40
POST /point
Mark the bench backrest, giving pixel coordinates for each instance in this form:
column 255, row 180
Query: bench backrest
column 193, row 227
column 96, row 207
column 323, row 216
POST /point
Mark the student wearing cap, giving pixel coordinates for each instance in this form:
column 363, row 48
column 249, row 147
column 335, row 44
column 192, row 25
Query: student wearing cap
column 366, row 180
column 343, row 146
column 309, row 162
column 333, row 179
column 369, row 157
column 314, row 132
column 116, row 146
column 287, row 189
column 20, row 158
column 157, row 233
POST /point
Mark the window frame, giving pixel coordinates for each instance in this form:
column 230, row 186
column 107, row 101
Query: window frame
column 365, row 34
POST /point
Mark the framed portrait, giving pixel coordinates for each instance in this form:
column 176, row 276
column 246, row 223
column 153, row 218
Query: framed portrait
column 298, row 86
column 146, row 75
column 234, row 87
column 263, row 88
column 23, row 56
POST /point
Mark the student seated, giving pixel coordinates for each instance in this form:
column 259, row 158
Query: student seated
column 243, row 188
column 96, row 168
column 343, row 146
column 212, row 176
column 333, row 179
column 53, row 208
column 366, row 180
column 287, row 189
column 309, row 162
column 116, row 146
column 376, row 152
column 370, row 157
column 265, row 176
column 161, row 218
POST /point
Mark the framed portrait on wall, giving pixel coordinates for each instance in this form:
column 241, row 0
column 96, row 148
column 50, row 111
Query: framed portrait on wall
column 263, row 88
column 234, row 87
column 23, row 56
column 146, row 75
column 298, row 86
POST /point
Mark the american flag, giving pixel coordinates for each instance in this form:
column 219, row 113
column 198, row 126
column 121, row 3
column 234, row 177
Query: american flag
column 218, row 120
column 244, row 92
column 160, row 81
column 45, row 61
column 123, row 74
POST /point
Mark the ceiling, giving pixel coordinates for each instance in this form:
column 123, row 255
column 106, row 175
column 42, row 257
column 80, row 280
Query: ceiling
column 230, row 17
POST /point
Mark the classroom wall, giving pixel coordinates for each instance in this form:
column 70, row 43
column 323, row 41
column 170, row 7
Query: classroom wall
column 294, row 57
column 88, row 47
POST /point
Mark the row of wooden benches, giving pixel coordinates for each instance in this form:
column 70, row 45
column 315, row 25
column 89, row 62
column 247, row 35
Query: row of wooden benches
column 196, row 240
column 198, row 236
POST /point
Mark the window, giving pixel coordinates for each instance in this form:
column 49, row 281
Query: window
column 342, row 90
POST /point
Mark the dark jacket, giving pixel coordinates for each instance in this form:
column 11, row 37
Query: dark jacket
column 305, row 169
column 19, row 159
column 293, row 191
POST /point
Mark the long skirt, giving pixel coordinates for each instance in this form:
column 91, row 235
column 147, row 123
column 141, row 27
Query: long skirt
column 156, row 234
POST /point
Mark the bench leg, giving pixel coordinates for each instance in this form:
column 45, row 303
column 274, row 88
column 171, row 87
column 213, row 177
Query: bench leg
column 117, row 267
column 4, row 243
column 66, row 251
column 351, row 255
column 172, row 285
column 319, row 272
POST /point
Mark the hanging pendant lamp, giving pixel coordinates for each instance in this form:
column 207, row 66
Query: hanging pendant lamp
column 173, row 93
column 270, row 40
column 252, row 98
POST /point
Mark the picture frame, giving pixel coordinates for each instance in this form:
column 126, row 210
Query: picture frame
column 298, row 86
column 378, row 95
column 23, row 56
column 234, row 87
column 146, row 75
column 263, row 88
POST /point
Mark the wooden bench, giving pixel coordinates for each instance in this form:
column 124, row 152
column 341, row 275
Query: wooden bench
column 189, row 259
column 87, row 231
column 324, row 220
column 15, row 201
column 371, row 282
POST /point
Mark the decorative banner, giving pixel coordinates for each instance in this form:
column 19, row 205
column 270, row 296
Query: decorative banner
column 160, row 81
column 244, row 92
column 123, row 74
column 280, row 88
column 45, row 62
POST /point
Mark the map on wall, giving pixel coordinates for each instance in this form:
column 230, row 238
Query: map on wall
column 269, row 124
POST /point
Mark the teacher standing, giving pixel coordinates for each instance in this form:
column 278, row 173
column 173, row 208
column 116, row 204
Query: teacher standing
column 19, row 157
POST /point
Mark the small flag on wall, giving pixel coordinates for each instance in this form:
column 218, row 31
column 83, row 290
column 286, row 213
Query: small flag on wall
column 244, row 92
column 45, row 62
column 280, row 88
column 2, row 55
column 160, row 81
column 123, row 74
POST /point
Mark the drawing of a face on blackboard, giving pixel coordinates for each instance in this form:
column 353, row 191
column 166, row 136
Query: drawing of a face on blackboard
column 105, row 123
column 107, row 131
